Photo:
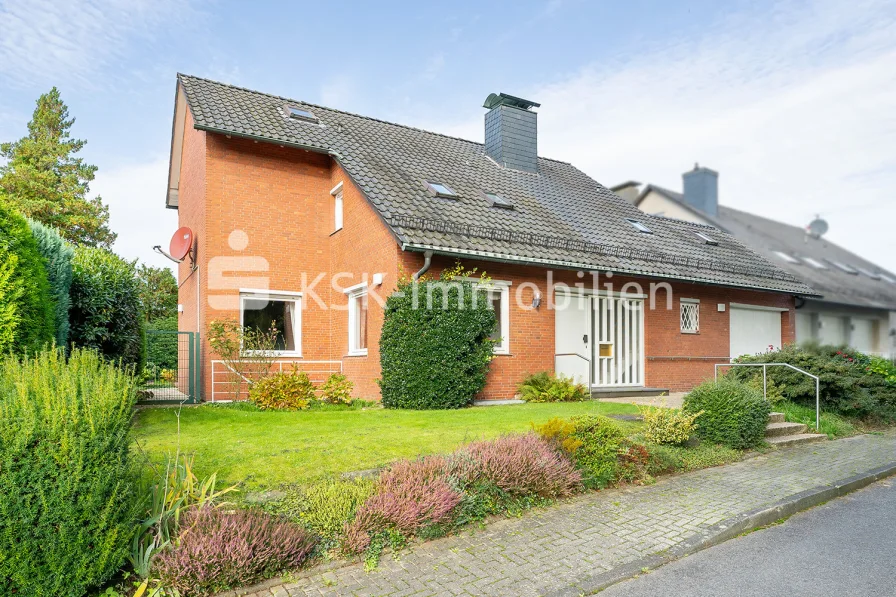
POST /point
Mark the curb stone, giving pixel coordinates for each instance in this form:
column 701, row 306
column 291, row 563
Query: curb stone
column 729, row 529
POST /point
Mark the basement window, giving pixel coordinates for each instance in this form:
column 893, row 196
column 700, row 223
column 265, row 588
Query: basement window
column 707, row 239
column 441, row 190
column 786, row 257
column 639, row 226
column 300, row 114
column 498, row 201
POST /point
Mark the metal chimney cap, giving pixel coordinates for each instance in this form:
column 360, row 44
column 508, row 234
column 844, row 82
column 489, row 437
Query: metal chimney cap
column 502, row 99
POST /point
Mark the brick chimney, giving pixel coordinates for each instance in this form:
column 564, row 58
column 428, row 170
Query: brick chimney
column 511, row 132
column 701, row 189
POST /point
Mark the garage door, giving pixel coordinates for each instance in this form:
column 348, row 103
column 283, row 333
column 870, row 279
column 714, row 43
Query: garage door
column 754, row 330
column 863, row 335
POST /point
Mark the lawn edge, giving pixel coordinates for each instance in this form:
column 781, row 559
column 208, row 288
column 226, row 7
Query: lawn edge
column 730, row 529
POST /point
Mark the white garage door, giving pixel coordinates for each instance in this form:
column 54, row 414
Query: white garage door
column 754, row 330
column 863, row 335
column 833, row 330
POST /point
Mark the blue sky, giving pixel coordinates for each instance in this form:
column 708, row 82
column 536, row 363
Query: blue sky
column 792, row 102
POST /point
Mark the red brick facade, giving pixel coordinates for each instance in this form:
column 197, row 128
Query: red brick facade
column 280, row 198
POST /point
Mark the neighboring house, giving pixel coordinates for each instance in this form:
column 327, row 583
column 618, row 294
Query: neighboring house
column 858, row 302
column 285, row 197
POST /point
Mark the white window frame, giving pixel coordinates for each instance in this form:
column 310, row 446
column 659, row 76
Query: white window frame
column 338, row 208
column 688, row 304
column 354, row 293
column 276, row 295
column 503, row 287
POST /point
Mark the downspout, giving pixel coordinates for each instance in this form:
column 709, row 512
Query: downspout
column 427, row 262
column 799, row 302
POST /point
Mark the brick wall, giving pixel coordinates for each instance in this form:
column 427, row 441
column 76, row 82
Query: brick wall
column 279, row 198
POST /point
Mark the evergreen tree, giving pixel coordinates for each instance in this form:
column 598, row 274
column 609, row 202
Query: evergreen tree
column 44, row 180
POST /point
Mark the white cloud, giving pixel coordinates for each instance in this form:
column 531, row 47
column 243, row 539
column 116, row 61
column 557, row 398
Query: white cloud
column 69, row 41
column 135, row 195
column 794, row 108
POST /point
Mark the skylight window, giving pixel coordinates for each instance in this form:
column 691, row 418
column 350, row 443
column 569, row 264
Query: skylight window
column 639, row 226
column 870, row 274
column 498, row 201
column 707, row 239
column 300, row 114
column 441, row 190
column 887, row 278
column 844, row 267
column 815, row 263
column 787, row 257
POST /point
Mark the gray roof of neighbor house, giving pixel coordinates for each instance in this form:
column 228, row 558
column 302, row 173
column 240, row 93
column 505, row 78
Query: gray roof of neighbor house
column 561, row 217
column 769, row 237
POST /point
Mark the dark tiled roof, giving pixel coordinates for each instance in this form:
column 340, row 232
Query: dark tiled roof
column 768, row 236
column 561, row 216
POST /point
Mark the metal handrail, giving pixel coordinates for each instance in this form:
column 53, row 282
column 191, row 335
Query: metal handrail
column 574, row 354
column 765, row 367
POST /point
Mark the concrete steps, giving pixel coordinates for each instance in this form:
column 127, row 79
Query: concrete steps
column 780, row 433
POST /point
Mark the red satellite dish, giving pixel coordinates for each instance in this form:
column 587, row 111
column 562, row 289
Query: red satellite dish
column 181, row 243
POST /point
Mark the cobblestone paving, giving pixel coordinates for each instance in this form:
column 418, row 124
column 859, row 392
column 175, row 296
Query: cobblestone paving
column 553, row 549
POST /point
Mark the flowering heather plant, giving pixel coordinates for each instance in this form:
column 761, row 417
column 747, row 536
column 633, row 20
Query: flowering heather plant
column 410, row 495
column 518, row 464
column 218, row 550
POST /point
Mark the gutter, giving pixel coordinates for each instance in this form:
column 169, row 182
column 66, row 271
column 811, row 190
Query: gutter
column 582, row 266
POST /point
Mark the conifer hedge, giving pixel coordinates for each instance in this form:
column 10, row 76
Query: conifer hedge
column 58, row 256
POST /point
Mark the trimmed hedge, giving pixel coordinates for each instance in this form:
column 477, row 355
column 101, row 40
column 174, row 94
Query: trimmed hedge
column 161, row 350
column 58, row 256
column 106, row 313
column 67, row 489
column 733, row 414
column 28, row 293
column 435, row 346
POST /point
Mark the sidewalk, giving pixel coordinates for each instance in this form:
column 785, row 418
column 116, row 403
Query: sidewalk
column 565, row 550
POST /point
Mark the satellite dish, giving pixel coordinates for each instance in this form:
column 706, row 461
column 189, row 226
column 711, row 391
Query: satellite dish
column 181, row 243
column 817, row 227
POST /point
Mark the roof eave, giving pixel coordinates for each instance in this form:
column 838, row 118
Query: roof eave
column 503, row 258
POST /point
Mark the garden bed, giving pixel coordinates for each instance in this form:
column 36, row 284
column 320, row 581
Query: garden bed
column 266, row 449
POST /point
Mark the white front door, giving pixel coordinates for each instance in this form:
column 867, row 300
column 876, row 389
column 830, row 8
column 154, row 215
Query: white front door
column 572, row 337
column 618, row 341
column 753, row 331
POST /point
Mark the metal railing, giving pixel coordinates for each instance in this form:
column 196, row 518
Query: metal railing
column 317, row 372
column 574, row 354
column 765, row 367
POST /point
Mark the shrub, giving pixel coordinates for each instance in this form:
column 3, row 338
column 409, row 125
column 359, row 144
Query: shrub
column 161, row 349
column 27, row 300
column 67, row 489
column 435, row 346
column 733, row 414
column 848, row 383
column 409, row 495
column 218, row 550
column 664, row 459
column 772, row 391
column 324, row 507
column 668, row 425
column 10, row 292
column 518, row 465
column 283, row 391
column 337, row 389
column 546, row 387
column 105, row 313
column 58, row 256
column 594, row 442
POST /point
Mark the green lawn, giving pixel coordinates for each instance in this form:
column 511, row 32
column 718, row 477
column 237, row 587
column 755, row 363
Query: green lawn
column 267, row 449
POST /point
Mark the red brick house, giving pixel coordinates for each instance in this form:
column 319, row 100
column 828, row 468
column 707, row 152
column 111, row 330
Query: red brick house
column 308, row 216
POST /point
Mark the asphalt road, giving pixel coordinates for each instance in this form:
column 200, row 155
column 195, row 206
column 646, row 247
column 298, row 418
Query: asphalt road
column 845, row 547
